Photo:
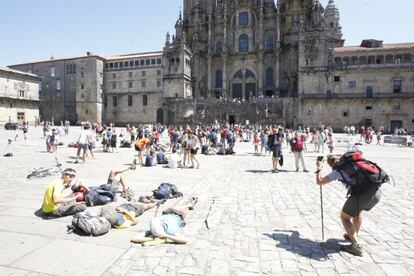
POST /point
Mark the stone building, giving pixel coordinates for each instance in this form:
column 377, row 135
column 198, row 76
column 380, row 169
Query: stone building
column 371, row 85
column 70, row 89
column 261, row 61
column 19, row 96
column 133, row 87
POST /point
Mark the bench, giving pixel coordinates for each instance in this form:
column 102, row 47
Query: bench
column 398, row 140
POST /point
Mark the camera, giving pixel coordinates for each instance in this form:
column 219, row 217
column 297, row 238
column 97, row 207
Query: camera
column 320, row 158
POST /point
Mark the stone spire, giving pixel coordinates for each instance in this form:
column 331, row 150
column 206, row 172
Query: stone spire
column 179, row 25
column 333, row 26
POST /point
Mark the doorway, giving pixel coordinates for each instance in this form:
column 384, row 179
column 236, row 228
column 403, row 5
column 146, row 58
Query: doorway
column 20, row 117
column 232, row 119
column 395, row 124
column 160, row 116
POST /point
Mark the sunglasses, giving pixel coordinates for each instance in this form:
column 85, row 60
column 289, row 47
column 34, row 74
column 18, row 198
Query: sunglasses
column 70, row 175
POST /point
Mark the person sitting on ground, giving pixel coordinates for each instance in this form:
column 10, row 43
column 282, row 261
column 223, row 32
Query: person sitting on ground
column 55, row 204
column 174, row 160
column 125, row 215
column 168, row 225
column 150, row 159
column 161, row 158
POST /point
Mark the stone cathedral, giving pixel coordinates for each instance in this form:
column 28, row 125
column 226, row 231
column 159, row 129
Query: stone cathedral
column 248, row 51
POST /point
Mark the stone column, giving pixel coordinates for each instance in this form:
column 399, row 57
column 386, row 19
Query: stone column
column 209, row 54
column 226, row 90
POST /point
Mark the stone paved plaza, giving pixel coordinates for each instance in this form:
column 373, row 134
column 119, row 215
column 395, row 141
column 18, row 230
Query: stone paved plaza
column 260, row 223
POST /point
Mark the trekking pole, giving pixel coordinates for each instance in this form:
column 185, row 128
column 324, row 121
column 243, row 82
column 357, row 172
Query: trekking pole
column 323, row 232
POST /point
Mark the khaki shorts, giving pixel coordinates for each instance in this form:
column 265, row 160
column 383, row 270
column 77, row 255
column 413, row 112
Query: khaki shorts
column 364, row 202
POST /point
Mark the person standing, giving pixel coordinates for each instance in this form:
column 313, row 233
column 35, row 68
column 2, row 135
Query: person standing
column 276, row 141
column 83, row 141
column 297, row 148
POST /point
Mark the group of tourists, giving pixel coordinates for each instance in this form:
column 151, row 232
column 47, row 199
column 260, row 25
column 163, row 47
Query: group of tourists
column 181, row 151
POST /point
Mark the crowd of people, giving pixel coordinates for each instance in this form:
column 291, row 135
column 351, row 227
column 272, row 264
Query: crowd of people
column 149, row 145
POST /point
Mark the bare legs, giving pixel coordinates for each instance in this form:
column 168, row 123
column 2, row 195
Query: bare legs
column 351, row 225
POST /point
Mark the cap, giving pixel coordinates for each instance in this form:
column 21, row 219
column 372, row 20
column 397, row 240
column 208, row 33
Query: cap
column 69, row 171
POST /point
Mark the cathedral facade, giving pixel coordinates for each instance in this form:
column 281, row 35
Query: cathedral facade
column 257, row 61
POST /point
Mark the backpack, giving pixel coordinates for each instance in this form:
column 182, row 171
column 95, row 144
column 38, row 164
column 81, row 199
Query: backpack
column 166, row 190
column 367, row 174
column 271, row 141
column 89, row 224
column 99, row 196
column 298, row 146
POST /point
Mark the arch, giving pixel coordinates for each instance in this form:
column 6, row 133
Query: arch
column 238, row 75
column 243, row 43
column 354, row 60
column 379, row 60
column 219, row 79
column 249, row 74
column 362, row 60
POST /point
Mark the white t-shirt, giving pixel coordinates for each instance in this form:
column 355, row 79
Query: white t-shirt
column 173, row 160
column 84, row 136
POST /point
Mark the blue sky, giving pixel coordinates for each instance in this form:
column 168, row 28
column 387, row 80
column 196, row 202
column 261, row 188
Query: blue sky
column 34, row 30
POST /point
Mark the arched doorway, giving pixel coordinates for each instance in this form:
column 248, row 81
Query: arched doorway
column 160, row 116
column 244, row 85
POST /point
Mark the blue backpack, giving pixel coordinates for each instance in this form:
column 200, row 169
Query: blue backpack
column 166, row 190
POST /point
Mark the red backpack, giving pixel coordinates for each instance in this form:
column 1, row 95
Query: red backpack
column 367, row 174
column 298, row 145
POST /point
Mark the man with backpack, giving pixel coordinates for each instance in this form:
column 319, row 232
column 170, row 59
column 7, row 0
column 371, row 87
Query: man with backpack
column 274, row 143
column 296, row 144
column 55, row 204
column 363, row 179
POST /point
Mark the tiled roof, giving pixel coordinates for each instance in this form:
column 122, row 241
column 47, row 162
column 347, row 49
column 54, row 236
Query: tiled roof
column 396, row 46
column 137, row 55
column 9, row 70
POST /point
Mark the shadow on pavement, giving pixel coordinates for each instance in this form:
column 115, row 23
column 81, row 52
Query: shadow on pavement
column 39, row 213
column 290, row 240
column 258, row 171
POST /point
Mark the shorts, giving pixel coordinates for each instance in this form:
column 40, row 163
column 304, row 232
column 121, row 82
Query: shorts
column 83, row 146
column 277, row 153
column 137, row 148
column 364, row 202
column 194, row 151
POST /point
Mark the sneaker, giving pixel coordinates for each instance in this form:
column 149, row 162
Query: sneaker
column 305, row 170
column 354, row 249
column 297, row 170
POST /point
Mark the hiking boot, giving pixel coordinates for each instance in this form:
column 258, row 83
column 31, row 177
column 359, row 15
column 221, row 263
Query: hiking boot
column 354, row 249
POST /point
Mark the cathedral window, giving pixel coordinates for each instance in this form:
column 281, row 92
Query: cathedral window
column 243, row 43
column 269, row 76
column 158, row 61
column 243, row 19
column 219, row 47
column 269, row 44
column 114, row 101
column 144, row 100
column 219, row 79
column 129, row 100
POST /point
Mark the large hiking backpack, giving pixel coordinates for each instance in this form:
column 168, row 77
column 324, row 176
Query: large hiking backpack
column 99, row 196
column 89, row 224
column 367, row 175
column 166, row 190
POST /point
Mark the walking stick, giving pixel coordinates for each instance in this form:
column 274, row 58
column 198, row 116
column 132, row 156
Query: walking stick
column 323, row 232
